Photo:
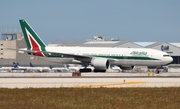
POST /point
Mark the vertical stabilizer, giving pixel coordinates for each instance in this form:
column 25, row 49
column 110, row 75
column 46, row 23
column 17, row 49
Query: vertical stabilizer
column 33, row 41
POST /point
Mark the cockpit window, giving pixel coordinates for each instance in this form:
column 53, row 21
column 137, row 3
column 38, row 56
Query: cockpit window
column 166, row 55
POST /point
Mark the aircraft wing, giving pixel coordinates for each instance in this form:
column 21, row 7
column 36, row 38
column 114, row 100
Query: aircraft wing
column 81, row 58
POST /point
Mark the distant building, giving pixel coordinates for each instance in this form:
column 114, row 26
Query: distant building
column 8, row 56
column 99, row 41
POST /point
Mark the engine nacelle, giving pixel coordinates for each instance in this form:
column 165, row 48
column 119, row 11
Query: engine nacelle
column 100, row 63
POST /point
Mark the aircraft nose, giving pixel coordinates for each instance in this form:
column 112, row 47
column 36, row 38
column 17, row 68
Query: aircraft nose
column 170, row 59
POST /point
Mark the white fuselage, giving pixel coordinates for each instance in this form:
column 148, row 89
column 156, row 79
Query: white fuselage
column 121, row 56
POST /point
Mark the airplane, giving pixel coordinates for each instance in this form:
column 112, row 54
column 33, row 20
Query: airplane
column 115, row 68
column 79, row 68
column 6, row 69
column 16, row 66
column 59, row 69
column 39, row 69
column 98, row 57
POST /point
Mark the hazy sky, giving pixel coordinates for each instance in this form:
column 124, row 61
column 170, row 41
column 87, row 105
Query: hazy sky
column 79, row 20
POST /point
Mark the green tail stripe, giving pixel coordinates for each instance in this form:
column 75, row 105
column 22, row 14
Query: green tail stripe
column 24, row 26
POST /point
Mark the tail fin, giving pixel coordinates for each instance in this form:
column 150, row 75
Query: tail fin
column 18, row 64
column 33, row 41
column 15, row 65
column 67, row 66
column 50, row 67
column 31, row 65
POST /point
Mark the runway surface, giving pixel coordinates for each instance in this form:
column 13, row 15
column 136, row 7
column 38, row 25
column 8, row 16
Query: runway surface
column 88, row 75
column 88, row 80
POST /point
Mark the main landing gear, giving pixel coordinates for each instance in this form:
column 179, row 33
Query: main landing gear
column 85, row 70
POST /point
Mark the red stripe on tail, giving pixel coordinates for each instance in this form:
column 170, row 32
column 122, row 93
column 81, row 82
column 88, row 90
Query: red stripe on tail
column 35, row 47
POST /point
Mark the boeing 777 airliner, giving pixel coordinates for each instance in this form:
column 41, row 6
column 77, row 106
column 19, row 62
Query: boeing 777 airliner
column 99, row 57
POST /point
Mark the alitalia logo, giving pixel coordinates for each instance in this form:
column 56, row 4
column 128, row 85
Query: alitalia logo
column 34, row 44
column 138, row 53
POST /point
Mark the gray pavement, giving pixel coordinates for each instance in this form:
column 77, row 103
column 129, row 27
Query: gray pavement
column 88, row 80
column 88, row 75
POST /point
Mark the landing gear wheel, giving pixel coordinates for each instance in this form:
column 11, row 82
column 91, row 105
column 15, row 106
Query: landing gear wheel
column 157, row 71
column 85, row 70
column 97, row 70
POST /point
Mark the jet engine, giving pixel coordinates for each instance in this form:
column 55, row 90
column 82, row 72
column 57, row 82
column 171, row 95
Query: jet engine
column 100, row 63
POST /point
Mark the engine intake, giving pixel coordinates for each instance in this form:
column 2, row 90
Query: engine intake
column 100, row 63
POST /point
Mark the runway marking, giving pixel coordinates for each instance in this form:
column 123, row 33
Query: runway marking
column 105, row 85
column 33, row 75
